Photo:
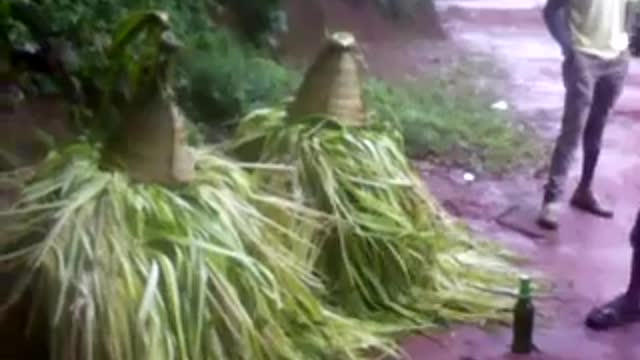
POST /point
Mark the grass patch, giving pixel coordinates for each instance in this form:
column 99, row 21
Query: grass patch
column 446, row 116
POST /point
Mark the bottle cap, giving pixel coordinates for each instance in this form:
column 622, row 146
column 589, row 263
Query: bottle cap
column 525, row 286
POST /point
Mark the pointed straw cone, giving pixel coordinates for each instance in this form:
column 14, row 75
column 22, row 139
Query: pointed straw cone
column 152, row 146
column 332, row 85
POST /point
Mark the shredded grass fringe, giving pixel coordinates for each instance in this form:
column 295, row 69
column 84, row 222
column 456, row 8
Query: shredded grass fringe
column 327, row 248
column 388, row 251
column 134, row 271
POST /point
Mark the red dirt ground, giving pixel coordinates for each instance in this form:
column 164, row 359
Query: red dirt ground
column 587, row 259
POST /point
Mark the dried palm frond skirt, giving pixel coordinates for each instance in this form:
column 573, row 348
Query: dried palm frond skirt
column 131, row 271
column 388, row 251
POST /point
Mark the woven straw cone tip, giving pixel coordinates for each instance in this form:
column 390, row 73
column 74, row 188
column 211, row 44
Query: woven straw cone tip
column 344, row 40
column 332, row 85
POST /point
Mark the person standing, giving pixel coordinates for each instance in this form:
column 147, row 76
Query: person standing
column 594, row 40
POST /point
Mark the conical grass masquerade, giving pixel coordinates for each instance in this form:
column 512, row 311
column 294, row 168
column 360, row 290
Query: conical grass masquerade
column 389, row 251
column 331, row 86
column 125, row 268
column 150, row 144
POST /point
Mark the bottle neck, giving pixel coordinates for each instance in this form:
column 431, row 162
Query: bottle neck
column 525, row 288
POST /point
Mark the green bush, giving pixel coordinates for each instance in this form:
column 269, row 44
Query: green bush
column 221, row 78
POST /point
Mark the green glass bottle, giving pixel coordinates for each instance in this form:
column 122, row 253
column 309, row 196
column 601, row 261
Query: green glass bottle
column 523, row 317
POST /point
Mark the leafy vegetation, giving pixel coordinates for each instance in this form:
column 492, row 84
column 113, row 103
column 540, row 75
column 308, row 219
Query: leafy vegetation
column 387, row 250
column 224, row 265
column 323, row 250
column 139, row 271
column 213, row 52
column 132, row 269
column 219, row 78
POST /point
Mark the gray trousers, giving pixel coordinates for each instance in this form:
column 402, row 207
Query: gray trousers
column 593, row 85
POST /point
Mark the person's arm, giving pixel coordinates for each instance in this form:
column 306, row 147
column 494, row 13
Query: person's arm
column 556, row 17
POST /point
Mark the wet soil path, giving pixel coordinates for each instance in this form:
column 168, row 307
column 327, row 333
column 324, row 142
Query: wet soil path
column 587, row 259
